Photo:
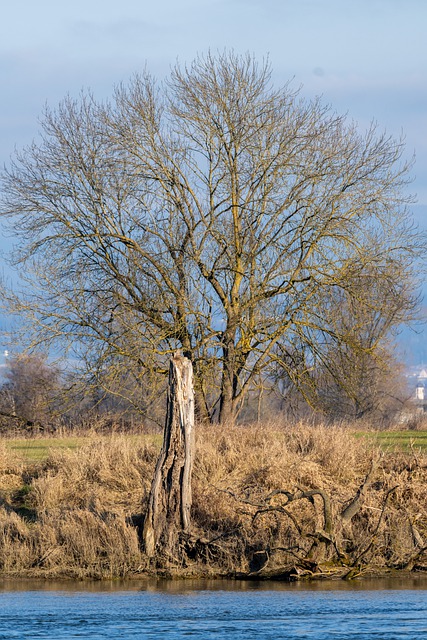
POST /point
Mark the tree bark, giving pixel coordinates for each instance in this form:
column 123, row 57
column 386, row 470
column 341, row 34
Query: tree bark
column 227, row 405
column 170, row 498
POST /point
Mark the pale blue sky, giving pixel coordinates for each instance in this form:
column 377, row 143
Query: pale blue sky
column 366, row 57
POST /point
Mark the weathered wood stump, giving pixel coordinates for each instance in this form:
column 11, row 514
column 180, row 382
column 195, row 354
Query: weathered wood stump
column 169, row 503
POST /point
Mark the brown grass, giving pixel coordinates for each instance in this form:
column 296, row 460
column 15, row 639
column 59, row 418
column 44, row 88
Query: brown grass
column 237, row 470
column 77, row 513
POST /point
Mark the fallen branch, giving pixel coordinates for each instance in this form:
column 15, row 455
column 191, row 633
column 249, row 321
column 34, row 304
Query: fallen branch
column 279, row 509
column 408, row 564
column 300, row 494
column 380, row 519
column 354, row 506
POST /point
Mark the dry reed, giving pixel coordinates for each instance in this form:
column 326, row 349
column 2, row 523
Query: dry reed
column 261, row 496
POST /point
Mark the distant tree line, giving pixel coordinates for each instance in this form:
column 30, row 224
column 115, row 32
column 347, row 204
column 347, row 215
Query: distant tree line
column 36, row 396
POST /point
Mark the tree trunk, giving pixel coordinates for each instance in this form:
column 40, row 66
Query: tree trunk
column 169, row 502
column 227, row 405
column 226, row 413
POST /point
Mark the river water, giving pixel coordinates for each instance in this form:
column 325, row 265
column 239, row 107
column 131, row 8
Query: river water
column 214, row 609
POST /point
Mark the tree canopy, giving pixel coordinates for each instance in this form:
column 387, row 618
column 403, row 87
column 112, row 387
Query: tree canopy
column 214, row 213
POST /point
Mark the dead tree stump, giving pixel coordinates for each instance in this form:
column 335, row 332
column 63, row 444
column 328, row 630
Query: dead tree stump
column 169, row 503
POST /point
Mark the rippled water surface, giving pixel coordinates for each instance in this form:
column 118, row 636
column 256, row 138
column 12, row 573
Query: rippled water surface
column 214, row 609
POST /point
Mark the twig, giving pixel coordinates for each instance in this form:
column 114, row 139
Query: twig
column 380, row 519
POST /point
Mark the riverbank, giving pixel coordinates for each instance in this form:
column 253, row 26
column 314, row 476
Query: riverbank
column 269, row 502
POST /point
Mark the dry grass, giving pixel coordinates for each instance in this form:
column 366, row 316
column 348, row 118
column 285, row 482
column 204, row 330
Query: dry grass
column 77, row 512
column 238, row 470
column 110, row 475
column 72, row 514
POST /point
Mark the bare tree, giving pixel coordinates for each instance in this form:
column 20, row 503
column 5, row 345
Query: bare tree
column 355, row 373
column 212, row 213
column 30, row 391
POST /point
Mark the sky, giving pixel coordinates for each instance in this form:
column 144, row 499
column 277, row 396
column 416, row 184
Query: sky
column 367, row 58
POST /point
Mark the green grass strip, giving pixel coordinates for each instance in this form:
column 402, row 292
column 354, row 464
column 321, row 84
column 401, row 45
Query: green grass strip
column 398, row 440
column 37, row 449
